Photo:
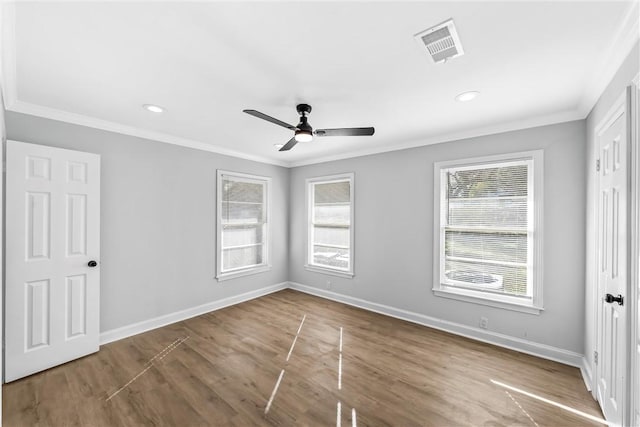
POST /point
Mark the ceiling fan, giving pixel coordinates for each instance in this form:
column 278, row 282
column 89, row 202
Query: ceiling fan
column 303, row 130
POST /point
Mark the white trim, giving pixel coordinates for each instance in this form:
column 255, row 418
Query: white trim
column 634, row 268
column 612, row 58
column 167, row 319
column 221, row 277
column 330, row 271
column 349, row 177
column 585, row 370
column 524, row 346
column 485, row 298
column 3, row 136
column 266, row 244
column 535, row 159
column 491, row 130
column 82, row 120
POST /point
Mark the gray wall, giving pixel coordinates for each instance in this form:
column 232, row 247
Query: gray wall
column 158, row 220
column 158, row 224
column 620, row 81
column 394, row 232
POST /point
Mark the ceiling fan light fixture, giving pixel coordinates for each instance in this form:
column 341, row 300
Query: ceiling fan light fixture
column 303, row 135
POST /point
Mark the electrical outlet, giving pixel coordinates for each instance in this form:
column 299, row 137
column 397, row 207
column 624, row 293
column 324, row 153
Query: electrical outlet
column 328, row 284
column 484, row 322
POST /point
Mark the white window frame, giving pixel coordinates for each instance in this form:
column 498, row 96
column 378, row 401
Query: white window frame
column 532, row 305
column 266, row 263
column 309, row 265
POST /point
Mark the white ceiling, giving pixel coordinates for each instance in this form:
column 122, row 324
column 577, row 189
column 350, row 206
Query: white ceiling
column 356, row 63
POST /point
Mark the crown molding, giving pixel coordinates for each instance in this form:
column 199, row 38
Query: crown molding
column 92, row 122
column 562, row 117
column 622, row 43
column 613, row 57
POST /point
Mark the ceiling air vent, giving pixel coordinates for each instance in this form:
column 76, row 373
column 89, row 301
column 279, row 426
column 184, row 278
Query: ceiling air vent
column 442, row 41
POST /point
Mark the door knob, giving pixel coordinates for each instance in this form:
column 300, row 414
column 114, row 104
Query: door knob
column 611, row 299
column 92, row 263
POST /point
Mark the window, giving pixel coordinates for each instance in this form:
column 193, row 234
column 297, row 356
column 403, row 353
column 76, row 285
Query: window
column 330, row 213
column 243, row 231
column 488, row 230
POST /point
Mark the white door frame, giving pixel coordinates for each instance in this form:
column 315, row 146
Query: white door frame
column 618, row 107
column 633, row 390
column 2, row 148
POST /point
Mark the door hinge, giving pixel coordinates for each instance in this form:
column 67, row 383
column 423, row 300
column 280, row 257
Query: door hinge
column 595, row 357
column 598, row 165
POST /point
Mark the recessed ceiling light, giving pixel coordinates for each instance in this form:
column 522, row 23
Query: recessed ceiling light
column 153, row 108
column 278, row 145
column 467, row 96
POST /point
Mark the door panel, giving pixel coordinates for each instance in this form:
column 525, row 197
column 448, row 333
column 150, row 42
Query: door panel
column 37, row 310
column 76, row 224
column 76, row 291
column 52, row 232
column 612, row 245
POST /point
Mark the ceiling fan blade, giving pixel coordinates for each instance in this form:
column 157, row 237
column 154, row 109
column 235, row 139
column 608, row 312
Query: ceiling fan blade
column 345, row 132
column 275, row 121
column 289, row 145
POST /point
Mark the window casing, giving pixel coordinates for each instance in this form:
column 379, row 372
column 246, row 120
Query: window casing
column 242, row 224
column 330, row 224
column 488, row 228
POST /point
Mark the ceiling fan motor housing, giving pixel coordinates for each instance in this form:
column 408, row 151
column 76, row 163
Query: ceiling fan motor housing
column 304, row 125
column 303, row 109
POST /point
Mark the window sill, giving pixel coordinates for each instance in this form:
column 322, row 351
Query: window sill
column 339, row 273
column 479, row 298
column 241, row 273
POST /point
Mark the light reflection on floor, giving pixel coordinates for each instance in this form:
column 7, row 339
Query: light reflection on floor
column 550, row 402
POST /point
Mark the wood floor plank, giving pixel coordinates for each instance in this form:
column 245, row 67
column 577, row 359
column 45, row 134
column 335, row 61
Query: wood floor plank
column 221, row 368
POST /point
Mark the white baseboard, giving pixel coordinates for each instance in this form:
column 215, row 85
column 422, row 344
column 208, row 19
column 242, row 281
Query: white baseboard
column 536, row 349
column 524, row 346
column 157, row 322
column 585, row 370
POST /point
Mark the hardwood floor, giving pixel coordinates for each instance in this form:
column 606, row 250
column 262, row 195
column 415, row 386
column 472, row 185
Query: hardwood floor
column 221, row 368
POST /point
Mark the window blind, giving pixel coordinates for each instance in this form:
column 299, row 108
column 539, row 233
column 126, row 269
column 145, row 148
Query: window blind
column 330, row 225
column 243, row 222
column 487, row 212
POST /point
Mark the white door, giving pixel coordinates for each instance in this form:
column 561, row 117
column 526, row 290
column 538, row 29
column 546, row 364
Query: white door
column 612, row 267
column 52, row 235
